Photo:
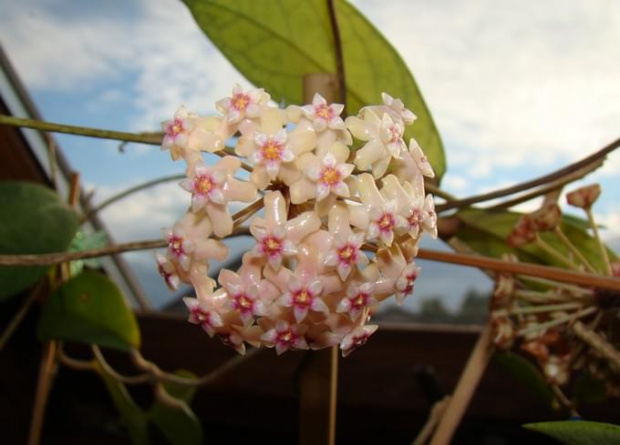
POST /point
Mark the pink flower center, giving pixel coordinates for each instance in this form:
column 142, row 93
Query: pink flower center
column 324, row 112
column 330, row 176
column 414, row 218
column 271, row 245
column 201, row 315
column 396, row 133
column 359, row 301
column 242, row 302
column 203, row 184
column 271, row 150
column 175, row 127
column 175, row 244
column 386, row 222
column 302, row 297
column 240, row 101
column 347, row 254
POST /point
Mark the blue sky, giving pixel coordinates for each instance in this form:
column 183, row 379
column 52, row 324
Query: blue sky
column 516, row 89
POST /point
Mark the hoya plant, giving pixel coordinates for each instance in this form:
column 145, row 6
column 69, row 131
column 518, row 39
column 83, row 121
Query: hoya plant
column 335, row 183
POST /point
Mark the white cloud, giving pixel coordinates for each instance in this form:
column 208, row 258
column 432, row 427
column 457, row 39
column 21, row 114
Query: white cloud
column 515, row 84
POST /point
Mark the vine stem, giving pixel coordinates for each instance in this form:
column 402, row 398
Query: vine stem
column 542, row 180
column 148, row 138
column 140, row 138
column 548, row 272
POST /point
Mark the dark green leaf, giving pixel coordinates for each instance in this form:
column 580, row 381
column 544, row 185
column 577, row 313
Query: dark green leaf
column 579, row 432
column 180, row 426
column 497, row 225
column 275, row 43
column 32, row 220
column 587, row 389
column 89, row 308
column 527, row 374
column 133, row 417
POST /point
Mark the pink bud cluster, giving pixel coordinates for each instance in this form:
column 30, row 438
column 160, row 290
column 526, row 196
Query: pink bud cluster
column 340, row 226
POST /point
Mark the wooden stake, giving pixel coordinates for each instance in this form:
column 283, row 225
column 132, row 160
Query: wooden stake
column 47, row 369
column 465, row 389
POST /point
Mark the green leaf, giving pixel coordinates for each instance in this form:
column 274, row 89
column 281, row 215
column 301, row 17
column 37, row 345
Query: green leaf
column 496, row 224
column 87, row 241
column 133, row 417
column 527, row 374
column 32, row 220
column 275, row 43
column 180, row 426
column 587, row 389
column 90, row 309
column 579, row 432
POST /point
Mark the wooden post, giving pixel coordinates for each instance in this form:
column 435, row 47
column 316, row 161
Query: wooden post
column 318, row 374
column 473, row 372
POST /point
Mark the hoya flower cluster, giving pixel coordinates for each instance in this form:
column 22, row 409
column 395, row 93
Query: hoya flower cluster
column 339, row 228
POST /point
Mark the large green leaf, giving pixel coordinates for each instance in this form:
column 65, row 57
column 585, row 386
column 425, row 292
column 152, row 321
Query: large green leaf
column 90, row 308
column 133, row 417
column 526, row 373
column 579, row 432
column 488, row 230
column 32, row 220
column 180, row 426
column 275, row 43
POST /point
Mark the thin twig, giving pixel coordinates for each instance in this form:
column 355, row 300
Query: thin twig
column 533, row 183
column 534, row 270
column 149, row 139
column 117, row 197
column 57, row 258
column 601, row 245
column 574, row 176
column 551, row 251
column 161, row 375
column 19, row 316
column 105, row 366
column 556, row 322
column 597, row 343
column 570, row 246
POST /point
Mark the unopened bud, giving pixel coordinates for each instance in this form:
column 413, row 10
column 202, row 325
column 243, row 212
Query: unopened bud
column 584, row 197
column 547, row 218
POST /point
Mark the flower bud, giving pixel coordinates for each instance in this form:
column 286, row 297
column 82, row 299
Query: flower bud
column 547, row 218
column 523, row 233
column 584, row 197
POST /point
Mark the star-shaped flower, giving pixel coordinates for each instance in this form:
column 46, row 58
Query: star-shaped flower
column 214, row 187
column 304, row 296
column 276, row 237
column 357, row 299
column 356, row 338
column 285, row 336
column 177, row 132
column 242, row 104
column 324, row 116
column 322, row 176
column 203, row 314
